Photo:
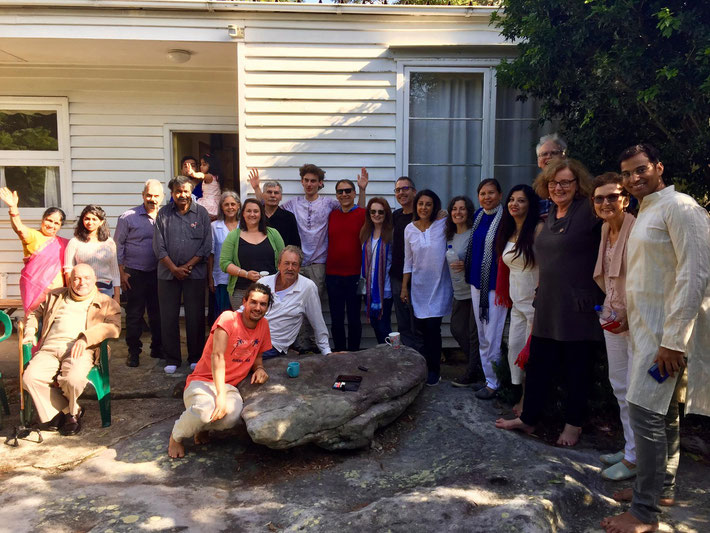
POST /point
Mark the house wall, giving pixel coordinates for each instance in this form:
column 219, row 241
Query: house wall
column 117, row 120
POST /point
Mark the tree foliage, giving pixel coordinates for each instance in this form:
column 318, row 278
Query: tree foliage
column 618, row 72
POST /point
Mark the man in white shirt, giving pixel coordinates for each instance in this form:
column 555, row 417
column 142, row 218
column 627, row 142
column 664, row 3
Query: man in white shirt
column 295, row 297
column 668, row 307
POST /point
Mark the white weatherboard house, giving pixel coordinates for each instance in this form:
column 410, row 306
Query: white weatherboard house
column 126, row 88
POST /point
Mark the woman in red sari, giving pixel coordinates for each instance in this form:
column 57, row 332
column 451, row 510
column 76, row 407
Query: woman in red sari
column 43, row 251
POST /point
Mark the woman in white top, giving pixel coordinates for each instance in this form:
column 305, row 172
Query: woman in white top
column 376, row 239
column 514, row 245
column 459, row 225
column 92, row 244
column 227, row 220
column 425, row 265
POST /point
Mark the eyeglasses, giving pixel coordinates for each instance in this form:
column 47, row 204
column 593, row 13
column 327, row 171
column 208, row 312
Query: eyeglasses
column 344, row 191
column 611, row 198
column 565, row 184
column 638, row 171
column 551, row 153
column 398, row 190
column 377, row 211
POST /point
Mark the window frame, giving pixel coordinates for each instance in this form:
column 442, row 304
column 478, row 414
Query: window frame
column 477, row 66
column 43, row 158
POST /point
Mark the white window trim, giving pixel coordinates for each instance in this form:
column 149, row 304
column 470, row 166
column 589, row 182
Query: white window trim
column 484, row 66
column 43, row 158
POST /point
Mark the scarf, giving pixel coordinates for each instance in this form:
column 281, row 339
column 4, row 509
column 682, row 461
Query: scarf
column 374, row 293
column 75, row 297
column 487, row 261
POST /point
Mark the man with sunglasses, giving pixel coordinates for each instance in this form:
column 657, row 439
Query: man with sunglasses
column 668, row 307
column 342, row 268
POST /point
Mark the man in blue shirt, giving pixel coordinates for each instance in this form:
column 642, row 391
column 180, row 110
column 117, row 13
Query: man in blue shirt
column 139, row 271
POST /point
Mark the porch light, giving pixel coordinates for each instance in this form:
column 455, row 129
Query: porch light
column 179, row 56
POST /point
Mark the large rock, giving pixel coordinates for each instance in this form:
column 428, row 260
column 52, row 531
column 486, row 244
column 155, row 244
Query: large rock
column 287, row 412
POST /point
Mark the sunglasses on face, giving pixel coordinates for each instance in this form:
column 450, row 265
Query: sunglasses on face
column 344, row 191
column 611, row 198
column 377, row 211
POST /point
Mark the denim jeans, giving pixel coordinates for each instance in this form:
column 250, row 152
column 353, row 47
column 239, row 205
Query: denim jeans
column 342, row 297
column 382, row 326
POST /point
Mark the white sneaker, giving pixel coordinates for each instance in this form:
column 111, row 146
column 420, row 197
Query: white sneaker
column 192, row 366
column 170, row 369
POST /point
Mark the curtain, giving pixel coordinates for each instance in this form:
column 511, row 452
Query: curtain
column 51, row 187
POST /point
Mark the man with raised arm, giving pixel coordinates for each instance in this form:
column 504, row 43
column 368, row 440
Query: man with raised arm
column 233, row 349
column 276, row 217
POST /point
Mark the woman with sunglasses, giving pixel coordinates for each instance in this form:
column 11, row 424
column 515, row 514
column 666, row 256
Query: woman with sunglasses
column 566, row 332
column 425, row 266
column 376, row 240
column 342, row 267
column 610, row 202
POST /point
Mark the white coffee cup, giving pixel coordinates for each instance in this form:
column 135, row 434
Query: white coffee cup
column 394, row 340
column 264, row 273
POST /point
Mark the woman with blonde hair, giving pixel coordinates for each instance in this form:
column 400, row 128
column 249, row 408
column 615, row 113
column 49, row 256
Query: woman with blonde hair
column 566, row 329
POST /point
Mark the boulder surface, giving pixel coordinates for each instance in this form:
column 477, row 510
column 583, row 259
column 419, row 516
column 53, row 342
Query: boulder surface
column 286, row 412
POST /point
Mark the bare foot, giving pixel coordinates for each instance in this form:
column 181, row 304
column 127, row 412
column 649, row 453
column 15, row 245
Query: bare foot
column 626, row 523
column 518, row 408
column 175, row 448
column 569, row 436
column 203, row 437
column 626, row 495
column 516, row 423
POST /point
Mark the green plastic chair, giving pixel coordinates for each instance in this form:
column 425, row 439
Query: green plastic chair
column 5, row 410
column 98, row 377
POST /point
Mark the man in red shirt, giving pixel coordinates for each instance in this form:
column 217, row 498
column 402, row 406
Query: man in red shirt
column 342, row 267
column 235, row 345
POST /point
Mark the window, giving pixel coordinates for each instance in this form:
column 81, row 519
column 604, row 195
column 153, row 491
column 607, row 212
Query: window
column 459, row 128
column 517, row 132
column 33, row 150
column 445, row 133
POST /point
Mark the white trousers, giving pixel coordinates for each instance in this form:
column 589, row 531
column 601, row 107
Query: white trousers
column 490, row 334
column 618, row 351
column 521, row 322
column 199, row 398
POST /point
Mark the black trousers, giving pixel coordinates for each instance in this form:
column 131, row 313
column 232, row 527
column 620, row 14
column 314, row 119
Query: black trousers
column 342, row 296
column 430, row 330
column 170, row 292
column 142, row 295
column 573, row 360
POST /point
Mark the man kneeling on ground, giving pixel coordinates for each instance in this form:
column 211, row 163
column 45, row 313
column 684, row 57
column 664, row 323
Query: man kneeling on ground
column 235, row 345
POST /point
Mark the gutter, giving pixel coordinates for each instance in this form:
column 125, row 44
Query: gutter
column 230, row 6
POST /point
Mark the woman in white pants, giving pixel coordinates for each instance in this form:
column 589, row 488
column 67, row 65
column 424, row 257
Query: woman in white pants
column 481, row 266
column 610, row 202
column 514, row 245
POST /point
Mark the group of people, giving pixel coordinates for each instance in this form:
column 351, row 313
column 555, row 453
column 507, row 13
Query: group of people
column 551, row 254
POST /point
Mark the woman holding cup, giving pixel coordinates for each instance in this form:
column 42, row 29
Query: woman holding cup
column 250, row 249
column 610, row 201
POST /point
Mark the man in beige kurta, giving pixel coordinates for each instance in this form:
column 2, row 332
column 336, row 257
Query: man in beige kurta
column 75, row 320
column 668, row 303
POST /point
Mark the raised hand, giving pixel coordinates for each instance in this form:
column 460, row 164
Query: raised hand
column 9, row 197
column 254, row 178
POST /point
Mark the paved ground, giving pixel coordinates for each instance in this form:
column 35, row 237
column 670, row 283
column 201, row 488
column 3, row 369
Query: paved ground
column 442, row 466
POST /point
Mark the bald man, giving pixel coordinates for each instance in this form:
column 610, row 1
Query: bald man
column 139, row 272
column 75, row 320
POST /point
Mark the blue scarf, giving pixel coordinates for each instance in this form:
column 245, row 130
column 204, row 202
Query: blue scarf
column 374, row 292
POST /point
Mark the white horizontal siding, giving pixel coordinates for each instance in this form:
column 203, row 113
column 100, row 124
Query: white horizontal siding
column 117, row 119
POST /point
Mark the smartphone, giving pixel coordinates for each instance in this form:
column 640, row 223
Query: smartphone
column 656, row 374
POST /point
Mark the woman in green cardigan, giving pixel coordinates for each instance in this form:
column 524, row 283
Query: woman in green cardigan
column 250, row 249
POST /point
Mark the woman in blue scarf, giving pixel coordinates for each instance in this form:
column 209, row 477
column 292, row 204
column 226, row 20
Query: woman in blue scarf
column 481, row 272
column 376, row 239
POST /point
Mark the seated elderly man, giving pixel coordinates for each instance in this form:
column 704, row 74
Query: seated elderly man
column 75, row 320
column 234, row 347
column 295, row 297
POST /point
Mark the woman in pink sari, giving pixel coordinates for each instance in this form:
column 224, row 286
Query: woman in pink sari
column 43, row 251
